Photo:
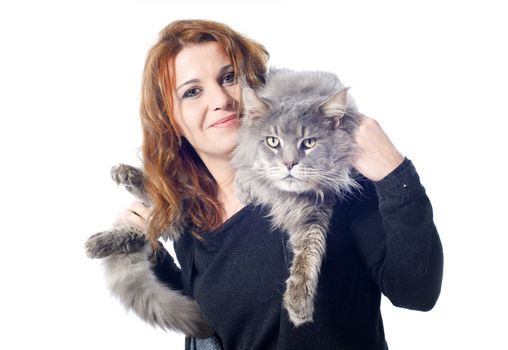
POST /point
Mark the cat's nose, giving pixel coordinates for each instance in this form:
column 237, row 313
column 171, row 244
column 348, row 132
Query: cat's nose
column 290, row 165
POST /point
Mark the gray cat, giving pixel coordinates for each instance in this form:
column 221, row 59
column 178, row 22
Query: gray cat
column 294, row 156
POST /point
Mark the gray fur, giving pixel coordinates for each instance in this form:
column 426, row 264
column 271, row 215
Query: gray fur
column 294, row 106
column 126, row 252
column 132, row 179
column 130, row 277
column 118, row 240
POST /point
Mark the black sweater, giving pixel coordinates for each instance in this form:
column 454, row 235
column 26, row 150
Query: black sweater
column 382, row 239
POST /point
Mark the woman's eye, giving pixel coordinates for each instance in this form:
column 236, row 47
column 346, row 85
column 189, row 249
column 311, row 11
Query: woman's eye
column 272, row 142
column 193, row 92
column 228, row 78
column 309, row 143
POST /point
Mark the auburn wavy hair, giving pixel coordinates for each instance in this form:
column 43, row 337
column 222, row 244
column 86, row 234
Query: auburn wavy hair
column 178, row 182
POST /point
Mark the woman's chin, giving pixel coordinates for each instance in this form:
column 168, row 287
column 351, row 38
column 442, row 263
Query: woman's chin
column 221, row 148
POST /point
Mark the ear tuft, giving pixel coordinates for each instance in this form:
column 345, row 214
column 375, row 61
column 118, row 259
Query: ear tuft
column 253, row 106
column 335, row 107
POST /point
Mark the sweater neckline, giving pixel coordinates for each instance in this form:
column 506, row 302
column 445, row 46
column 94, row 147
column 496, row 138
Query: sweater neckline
column 231, row 221
column 214, row 239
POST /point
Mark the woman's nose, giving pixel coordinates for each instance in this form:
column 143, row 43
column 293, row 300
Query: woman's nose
column 220, row 99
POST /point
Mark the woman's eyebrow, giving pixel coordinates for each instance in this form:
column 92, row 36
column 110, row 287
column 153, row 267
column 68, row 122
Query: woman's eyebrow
column 192, row 81
column 225, row 68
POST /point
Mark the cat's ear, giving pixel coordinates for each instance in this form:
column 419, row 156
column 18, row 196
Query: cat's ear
column 335, row 107
column 254, row 107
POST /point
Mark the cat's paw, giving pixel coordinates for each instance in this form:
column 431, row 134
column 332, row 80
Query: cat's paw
column 119, row 240
column 131, row 177
column 298, row 300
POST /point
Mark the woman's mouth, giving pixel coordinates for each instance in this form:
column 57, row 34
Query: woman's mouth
column 225, row 122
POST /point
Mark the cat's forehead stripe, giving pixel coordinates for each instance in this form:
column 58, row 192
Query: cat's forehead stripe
column 301, row 131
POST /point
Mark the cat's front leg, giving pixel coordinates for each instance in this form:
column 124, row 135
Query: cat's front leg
column 308, row 245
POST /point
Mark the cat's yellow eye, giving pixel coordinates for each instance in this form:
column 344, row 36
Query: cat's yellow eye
column 309, row 143
column 272, row 141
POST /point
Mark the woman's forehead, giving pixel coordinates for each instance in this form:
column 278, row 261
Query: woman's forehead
column 196, row 60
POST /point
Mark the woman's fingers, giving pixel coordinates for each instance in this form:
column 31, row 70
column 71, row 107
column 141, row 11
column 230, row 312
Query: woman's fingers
column 136, row 214
column 140, row 209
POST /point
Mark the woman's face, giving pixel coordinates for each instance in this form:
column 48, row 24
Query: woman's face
column 206, row 99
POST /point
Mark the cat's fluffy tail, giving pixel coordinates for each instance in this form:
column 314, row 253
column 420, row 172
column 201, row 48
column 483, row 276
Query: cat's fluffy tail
column 130, row 278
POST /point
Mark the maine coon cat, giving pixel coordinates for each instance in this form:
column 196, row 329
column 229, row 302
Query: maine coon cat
column 294, row 156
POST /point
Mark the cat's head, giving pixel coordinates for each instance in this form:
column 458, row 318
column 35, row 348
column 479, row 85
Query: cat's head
column 296, row 133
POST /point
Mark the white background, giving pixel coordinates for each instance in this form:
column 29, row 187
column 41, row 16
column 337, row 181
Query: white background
column 434, row 74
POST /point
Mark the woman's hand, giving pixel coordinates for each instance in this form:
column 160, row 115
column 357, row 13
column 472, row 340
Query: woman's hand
column 376, row 156
column 136, row 214
column 127, row 236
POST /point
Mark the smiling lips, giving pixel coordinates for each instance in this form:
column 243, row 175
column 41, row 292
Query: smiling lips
column 225, row 122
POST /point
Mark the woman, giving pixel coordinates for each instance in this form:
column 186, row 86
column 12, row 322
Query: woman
column 382, row 241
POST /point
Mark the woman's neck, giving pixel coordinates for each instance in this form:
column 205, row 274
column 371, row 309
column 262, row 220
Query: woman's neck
column 224, row 175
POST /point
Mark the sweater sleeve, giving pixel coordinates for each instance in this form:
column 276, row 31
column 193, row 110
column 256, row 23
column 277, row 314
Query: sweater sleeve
column 166, row 270
column 392, row 226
